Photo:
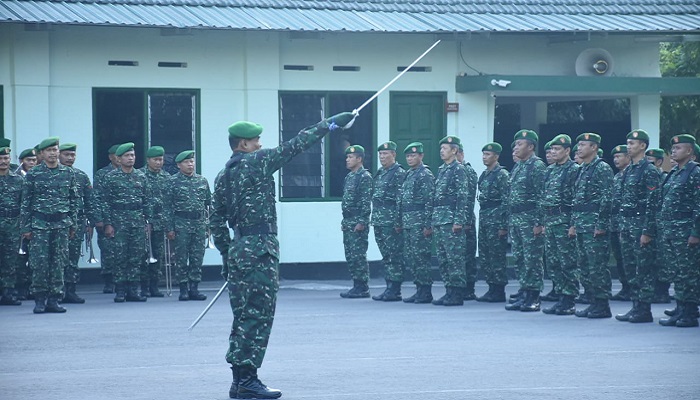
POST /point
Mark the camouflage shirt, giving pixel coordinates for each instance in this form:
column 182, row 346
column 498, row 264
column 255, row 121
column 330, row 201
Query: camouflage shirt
column 493, row 192
column 556, row 203
column 385, row 196
column 357, row 198
column 416, row 198
column 637, row 208
column 158, row 182
column 592, row 196
column 450, row 197
column 49, row 198
column 11, row 188
column 187, row 201
column 127, row 199
column 680, row 202
column 526, row 188
column 472, row 182
column 98, row 188
column 615, row 222
column 86, row 199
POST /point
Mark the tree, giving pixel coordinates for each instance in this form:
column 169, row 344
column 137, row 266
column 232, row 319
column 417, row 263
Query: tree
column 679, row 114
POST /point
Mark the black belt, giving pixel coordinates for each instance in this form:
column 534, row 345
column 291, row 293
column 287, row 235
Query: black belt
column 351, row 213
column 518, row 208
column 633, row 212
column 259, row 229
column 556, row 210
column 585, row 207
column 383, row 203
column 450, row 201
column 9, row 213
column 55, row 217
column 189, row 214
column 489, row 204
column 127, row 207
column 413, row 207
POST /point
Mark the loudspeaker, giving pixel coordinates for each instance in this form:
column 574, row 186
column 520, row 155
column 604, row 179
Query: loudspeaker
column 594, row 62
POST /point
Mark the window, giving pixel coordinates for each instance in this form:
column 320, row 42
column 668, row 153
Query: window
column 146, row 117
column 319, row 172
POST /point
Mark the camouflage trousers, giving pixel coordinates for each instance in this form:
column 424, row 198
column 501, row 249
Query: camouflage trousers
column 470, row 254
column 450, row 253
column 106, row 246
column 189, row 255
column 356, row 244
column 9, row 257
column 663, row 271
column 23, row 273
column 253, row 285
column 71, row 273
column 48, row 256
column 417, row 255
column 561, row 259
column 129, row 246
column 492, row 254
column 639, row 264
column 390, row 245
column 684, row 263
column 154, row 271
column 593, row 257
column 528, row 251
column 616, row 249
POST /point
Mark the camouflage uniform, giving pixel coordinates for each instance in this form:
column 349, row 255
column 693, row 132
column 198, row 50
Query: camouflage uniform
column 105, row 244
column 470, row 232
column 386, row 218
column 493, row 216
column 158, row 183
column 49, row 211
column 86, row 211
column 416, row 209
column 357, row 196
column 615, row 223
column 11, row 186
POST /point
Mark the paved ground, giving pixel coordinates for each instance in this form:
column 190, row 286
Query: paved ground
column 325, row 347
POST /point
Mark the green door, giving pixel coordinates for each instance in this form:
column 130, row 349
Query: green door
column 418, row 117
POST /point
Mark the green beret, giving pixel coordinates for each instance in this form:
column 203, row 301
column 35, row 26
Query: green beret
column 355, row 149
column 526, row 134
column 415, row 147
column 696, row 149
column 639, row 134
column 245, row 130
column 574, row 149
column 387, row 146
column 27, row 153
column 589, row 137
column 155, row 151
column 184, row 155
column 621, row 148
column 123, row 148
column 657, row 153
column 683, row 138
column 600, row 153
column 36, row 148
column 547, row 146
column 113, row 149
column 450, row 140
column 68, row 146
column 5, row 151
column 461, row 147
column 512, row 145
column 5, row 142
column 494, row 147
column 48, row 142
column 561, row 140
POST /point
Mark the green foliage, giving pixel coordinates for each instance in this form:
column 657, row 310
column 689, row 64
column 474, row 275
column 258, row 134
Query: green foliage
column 588, row 111
column 679, row 114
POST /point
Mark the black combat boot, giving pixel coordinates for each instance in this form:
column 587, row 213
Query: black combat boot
column 424, row 295
column 380, row 297
column 623, row 294
column 153, row 288
column 22, row 292
column 600, row 308
column 516, row 302
column 495, row 294
column 689, row 316
column 394, row 293
column 532, row 301
column 39, row 302
column 70, row 297
column 52, row 305
column 626, row 316
column 359, row 290
column 455, row 297
column 233, row 391
column 551, row 296
column 412, row 298
column 144, row 288
column 567, row 305
column 132, row 293
column 441, row 300
column 674, row 317
column 194, row 292
column 8, row 298
column 673, row 311
column 661, row 295
column 583, row 298
column 120, row 289
column 554, row 308
column 250, row 387
column 516, row 296
column 468, row 292
column 643, row 313
column 109, row 284
column 184, row 292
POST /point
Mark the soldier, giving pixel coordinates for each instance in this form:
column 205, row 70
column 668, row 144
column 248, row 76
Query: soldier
column 416, row 209
column 577, row 159
column 244, row 196
column 11, row 187
column 662, row 272
column 556, row 204
column 27, row 160
column 637, row 212
column 621, row 160
column 48, row 219
column 526, row 230
column 127, row 201
column 187, row 202
column 386, row 220
column 158, row 180
column 470, row 227
column 356, row 204
column 4, row 142
column 548, row 153
column 493, row 224
column 87, row 215
column 679, row 225
column 450, row 199
column 105, row 243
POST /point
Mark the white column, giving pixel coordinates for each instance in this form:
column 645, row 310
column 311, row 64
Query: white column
column 645, row 113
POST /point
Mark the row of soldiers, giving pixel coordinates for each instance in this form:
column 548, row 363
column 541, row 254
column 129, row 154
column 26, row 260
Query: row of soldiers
column 572, row 211
column 48, row 209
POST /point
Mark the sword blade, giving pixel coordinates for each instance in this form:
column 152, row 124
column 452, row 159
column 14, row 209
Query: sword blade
column 211, row 303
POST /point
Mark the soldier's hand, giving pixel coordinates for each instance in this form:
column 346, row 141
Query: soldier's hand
column 359, row 228
column 538, row 230
column 693, row 240
column 88, row 230
column 109, row 231
column 427, row 232
column 71, row 233
column 572, row 232
column 27, row 236
column 341, row 121
column 171, row 235
column 599, row 232
column 502, row 233
column 456, row 228
column 99, row 225
column 644, row 240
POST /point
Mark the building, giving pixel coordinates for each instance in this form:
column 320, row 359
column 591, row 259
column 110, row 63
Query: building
column 177, row 73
